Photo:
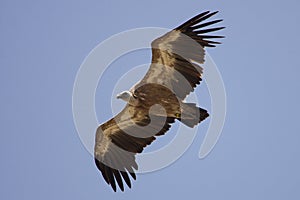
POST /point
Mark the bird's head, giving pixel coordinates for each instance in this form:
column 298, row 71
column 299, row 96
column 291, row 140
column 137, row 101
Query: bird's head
column 126, row 95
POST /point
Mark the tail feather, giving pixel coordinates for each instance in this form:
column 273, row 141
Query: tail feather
column 191, row 115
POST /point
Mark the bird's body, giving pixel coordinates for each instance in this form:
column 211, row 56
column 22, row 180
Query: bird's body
column 155, row 102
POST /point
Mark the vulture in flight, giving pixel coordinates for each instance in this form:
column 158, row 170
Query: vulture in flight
column 157, row 100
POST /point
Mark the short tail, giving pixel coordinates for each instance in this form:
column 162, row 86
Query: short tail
column 191, row 115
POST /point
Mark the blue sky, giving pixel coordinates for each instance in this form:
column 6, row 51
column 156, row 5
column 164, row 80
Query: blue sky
column 43, row 44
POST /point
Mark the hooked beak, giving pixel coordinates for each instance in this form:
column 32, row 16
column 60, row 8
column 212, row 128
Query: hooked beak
column 119, row 96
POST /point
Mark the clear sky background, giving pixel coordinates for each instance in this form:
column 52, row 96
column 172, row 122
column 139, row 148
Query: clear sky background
column 43, row 43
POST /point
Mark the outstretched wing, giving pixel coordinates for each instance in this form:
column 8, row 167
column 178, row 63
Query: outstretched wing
column 177, row 54
column 119, row 139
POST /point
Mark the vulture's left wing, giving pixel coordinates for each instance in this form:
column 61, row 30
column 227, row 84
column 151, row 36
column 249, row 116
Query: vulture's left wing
column 177, row 54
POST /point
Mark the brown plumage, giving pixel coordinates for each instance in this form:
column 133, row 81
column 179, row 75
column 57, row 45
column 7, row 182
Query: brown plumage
column 156, row 101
